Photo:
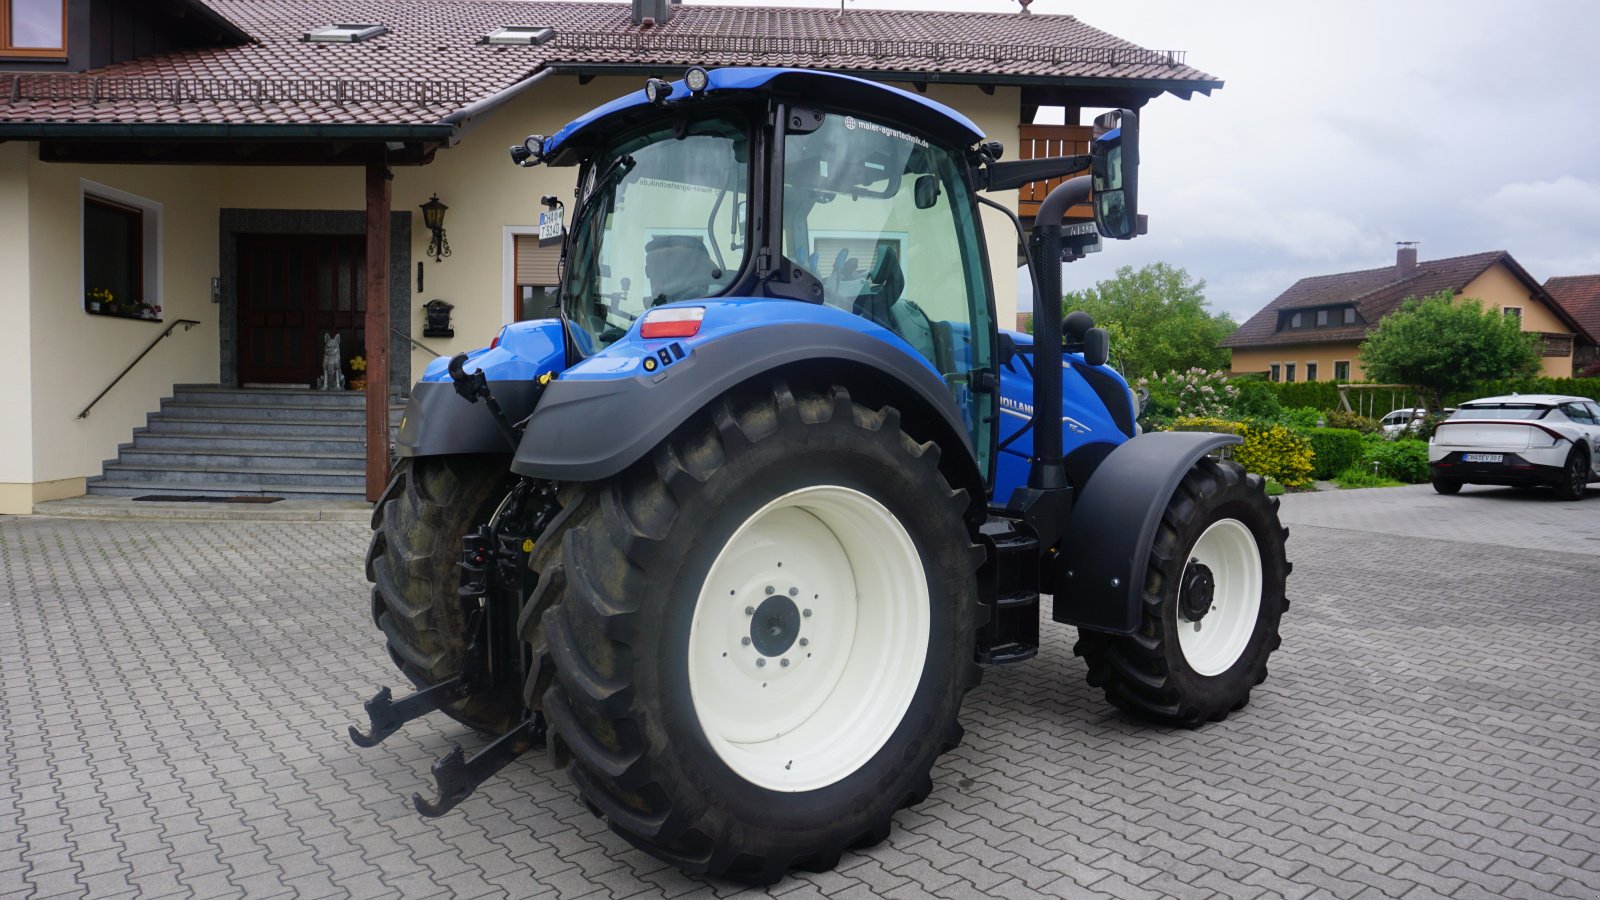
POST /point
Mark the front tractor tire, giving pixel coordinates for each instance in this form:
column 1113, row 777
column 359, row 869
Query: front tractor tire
column 1213, row 596
column 763, row 635
column 413, row 564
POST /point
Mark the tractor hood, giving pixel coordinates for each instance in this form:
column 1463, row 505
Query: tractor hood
column 918, row 114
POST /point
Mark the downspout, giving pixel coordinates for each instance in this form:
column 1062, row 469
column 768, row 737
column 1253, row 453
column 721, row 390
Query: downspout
column 462, row 119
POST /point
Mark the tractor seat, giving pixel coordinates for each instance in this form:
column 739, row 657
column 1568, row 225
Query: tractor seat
column 679, row 268
column 886, row 281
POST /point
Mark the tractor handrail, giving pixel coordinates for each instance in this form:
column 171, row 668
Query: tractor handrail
column 186, row 323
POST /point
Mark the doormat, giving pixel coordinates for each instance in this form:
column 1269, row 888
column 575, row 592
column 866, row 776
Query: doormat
column 200, row 498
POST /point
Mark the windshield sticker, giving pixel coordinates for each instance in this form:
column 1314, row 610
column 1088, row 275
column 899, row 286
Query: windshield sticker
column 677, row 186
column 852, row 123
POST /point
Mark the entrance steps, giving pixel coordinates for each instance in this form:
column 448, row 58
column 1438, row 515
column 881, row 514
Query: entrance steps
column 214, row 441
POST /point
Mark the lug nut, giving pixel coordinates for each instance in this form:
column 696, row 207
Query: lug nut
column 806, row 613
column 769, row 588
column 760, row 663
column 794, row 592
column 745, row 641
column 749, row 610
column 784, row 663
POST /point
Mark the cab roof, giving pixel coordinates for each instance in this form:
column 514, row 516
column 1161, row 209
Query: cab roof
column 926, row 117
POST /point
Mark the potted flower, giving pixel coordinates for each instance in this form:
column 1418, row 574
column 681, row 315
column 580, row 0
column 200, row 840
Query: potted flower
column 358, row 374
column 99, row 297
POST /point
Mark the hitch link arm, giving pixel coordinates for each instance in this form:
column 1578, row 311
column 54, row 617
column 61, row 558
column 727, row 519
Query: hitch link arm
column 458, row 777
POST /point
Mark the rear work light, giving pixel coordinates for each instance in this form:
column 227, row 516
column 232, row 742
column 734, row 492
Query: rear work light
column 676, row 322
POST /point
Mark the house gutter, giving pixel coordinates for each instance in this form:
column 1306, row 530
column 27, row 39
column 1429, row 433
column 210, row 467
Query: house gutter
column 13, row 131
column 462, row 119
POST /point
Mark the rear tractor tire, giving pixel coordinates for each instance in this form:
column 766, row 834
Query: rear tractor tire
column 762, row 637
column 413, row 564
column 1213, row 595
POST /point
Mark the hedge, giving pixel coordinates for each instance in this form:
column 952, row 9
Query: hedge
column 1324, row 395
column 1333, row 450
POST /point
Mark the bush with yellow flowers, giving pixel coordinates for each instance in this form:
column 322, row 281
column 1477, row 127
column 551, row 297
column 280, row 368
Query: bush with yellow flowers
column 1277, row 453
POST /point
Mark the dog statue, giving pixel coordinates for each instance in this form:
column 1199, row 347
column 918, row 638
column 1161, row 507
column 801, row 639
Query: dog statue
column 332, row 378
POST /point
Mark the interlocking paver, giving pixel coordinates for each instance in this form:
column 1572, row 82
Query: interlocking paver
column 174, row 695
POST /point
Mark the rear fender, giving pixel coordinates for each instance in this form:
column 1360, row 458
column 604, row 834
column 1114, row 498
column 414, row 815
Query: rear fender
column 1098, row 577
column 439, row 422
column 611, row 409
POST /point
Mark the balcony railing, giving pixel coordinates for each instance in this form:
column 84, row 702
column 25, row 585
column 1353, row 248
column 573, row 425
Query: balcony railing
column 1040, row 141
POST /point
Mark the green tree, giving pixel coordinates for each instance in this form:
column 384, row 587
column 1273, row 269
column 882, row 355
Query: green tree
column 1443, row 346
column 1160, row 317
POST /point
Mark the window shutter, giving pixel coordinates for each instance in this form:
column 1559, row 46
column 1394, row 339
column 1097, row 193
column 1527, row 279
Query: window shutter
column 536, row 265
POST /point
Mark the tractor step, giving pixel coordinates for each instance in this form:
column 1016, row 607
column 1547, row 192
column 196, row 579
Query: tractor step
column 1008, row 584
column 458, row 777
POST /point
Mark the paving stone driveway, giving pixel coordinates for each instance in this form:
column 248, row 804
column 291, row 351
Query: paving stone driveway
column 174, row 698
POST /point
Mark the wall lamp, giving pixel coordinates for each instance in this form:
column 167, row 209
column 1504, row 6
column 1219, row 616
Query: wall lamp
column 433, row 217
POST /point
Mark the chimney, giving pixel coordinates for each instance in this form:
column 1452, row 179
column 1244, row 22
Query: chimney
column 647, row 13
column 1405, row 258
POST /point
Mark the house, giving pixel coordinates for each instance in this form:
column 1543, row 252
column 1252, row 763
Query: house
column 1579, row 295
column 254, row 170
column 1313, row 331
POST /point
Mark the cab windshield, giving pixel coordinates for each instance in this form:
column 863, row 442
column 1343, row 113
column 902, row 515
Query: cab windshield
column 662, row 220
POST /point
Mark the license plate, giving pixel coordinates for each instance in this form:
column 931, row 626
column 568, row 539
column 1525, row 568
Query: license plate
column 550, row 229
column 1483, row 457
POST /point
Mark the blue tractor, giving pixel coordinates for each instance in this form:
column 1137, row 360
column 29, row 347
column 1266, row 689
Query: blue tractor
column 735, row 533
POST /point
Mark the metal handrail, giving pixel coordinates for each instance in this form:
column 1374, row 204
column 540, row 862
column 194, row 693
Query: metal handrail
column 186, row 323
column 416, row 343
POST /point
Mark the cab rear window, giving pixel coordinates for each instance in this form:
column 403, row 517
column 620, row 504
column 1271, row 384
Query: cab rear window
column 1502, row 411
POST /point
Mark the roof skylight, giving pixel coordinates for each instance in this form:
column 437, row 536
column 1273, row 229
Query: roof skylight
column 520, row 34
column 345, row 34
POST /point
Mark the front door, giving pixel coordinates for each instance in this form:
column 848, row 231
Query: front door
column 294, row 291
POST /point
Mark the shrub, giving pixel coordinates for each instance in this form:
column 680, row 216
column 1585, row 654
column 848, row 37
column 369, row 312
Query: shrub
column 1405, row 459
column 1300, row 418
column 1195, row 392
column 1343, row 418
column 1201, row 423
column 1356, row 477
column 1335, row 449
column 1277, row 453
column 1255, row 400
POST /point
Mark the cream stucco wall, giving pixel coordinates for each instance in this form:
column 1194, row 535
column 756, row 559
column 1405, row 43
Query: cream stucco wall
column 62, row 356
column 1324, row 355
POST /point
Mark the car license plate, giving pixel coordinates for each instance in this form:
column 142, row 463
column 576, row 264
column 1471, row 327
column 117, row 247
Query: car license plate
column 1483, row 457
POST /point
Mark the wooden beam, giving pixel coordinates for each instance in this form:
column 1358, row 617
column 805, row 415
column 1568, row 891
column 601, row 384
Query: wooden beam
column 379, row 185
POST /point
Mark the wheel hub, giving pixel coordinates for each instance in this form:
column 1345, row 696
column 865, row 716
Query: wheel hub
column 1199, row 589
column 775, row 626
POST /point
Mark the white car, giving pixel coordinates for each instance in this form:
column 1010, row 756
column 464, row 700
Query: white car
column 1522, row 439
column 1408, row 420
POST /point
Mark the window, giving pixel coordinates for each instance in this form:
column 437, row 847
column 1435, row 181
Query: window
column 33, row 28
column 1322, row 318
column 1341, row 370
column 1288, row 372
column 1578, row 413
column 1272, row 373
column 534, row 287
column 121, row 254
column 519, row 34
column 1349, row 315
column 1311, row 371
column 1295, row 321
column 1511, row 312
column 344, row 34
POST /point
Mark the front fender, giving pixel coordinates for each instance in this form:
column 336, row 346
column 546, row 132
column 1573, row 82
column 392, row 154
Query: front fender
column 1098, row 578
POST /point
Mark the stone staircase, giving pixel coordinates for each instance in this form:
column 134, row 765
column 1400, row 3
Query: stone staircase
column 215, row 441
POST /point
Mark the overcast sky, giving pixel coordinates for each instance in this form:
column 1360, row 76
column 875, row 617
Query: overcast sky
column 1343, row 127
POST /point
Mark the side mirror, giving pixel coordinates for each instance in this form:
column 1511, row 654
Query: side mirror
column 1096, row 346
column 926, row 191
column 1116, row 174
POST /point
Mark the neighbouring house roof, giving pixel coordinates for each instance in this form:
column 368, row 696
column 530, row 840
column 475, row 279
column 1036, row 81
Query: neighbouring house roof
column 1579, row 295
column 431, row 64
column 1375, row 293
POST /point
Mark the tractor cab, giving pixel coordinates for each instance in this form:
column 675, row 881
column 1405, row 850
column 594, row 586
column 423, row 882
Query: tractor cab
column 780, row 185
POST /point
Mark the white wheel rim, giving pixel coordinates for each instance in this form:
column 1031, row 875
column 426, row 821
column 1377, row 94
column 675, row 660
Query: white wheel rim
column 1214, row 643
column 812, row 714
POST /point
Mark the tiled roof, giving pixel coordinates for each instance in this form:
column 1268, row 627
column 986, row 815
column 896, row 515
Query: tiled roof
column 1579, row 295
column 1375, row 293
column 430, row 63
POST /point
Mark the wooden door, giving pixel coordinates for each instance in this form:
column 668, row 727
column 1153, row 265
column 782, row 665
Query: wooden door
column 293, row 290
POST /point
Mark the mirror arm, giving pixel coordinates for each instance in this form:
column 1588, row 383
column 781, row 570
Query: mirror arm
column 1018, row 172
column 1048, row 471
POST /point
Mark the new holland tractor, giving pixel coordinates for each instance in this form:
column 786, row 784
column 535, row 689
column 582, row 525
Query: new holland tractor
column 734, row 534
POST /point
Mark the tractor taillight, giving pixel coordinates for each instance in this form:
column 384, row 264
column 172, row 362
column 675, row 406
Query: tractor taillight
column 673, row 322
column 495, row 343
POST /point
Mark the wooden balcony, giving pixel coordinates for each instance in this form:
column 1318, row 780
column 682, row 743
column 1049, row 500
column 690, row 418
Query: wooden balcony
column 1039, row 141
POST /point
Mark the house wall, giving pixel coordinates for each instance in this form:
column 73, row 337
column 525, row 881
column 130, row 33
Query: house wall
column 1324, row 355
column 72, row 355
column 1498, row 288
column 63, row 356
